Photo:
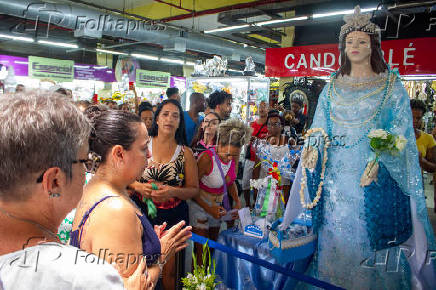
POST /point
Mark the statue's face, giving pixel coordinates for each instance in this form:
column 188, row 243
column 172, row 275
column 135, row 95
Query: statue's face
column 358, row 47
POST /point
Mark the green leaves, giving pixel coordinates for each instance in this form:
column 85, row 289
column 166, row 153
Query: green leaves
column 387, row 143
column 203, row 277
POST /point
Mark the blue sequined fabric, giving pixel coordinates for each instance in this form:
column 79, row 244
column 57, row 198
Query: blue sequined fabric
column 313, row 180
column 387, row 212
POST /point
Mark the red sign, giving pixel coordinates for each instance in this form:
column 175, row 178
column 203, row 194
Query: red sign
column 415, row 56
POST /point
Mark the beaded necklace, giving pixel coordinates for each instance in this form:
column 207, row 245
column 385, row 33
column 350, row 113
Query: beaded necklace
column 358, row 100
column 387, row 91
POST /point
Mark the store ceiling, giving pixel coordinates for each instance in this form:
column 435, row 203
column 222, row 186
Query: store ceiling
column 189, row 19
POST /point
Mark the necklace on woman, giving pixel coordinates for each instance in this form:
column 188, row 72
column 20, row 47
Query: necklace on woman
column 38, row 225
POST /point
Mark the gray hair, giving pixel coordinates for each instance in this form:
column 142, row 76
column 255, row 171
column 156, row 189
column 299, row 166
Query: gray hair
column 234, row 132
column 37, row 132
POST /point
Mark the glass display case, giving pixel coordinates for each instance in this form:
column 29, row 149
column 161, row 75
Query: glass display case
column 246, row 92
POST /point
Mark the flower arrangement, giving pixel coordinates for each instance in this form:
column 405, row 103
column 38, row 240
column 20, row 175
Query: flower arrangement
column 381, row 141
column 203, row 277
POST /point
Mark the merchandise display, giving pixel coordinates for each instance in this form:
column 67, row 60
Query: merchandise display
column 246, row 92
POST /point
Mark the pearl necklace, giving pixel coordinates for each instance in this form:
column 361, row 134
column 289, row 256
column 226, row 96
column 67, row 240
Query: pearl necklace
column 388, row 90
column 361, row 84
column 358, row 100
column 303, row 170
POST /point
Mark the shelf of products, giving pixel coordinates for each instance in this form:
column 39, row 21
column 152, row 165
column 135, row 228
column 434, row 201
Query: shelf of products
column 245, row 91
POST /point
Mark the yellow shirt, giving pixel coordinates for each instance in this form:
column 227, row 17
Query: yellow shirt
column 425, row 142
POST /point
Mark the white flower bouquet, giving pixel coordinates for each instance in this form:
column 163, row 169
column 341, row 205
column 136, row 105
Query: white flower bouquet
column 203, row 277
column 381, row 141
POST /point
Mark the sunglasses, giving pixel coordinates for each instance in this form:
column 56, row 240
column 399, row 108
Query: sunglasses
column 91, row 164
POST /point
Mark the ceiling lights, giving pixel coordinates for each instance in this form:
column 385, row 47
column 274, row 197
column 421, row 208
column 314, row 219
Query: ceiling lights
column 145, row 56
column 18, row 38
column 60, row 44
column 170, row 60
column 110, row 51
column 341, row 12
column 418, row 77
column 227, row 28
column 269, row 22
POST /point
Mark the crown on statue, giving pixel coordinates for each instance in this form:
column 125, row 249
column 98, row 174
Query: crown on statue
column 358, row 22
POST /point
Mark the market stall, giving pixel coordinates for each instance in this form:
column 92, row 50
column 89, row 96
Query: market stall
column 246, row 90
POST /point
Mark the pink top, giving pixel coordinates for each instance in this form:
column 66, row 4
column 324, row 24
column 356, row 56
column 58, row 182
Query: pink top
column 213, row 182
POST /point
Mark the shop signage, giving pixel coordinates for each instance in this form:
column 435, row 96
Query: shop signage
column 49, row 68
column 411, row 57
column 18, row 63
column 93, row 72
column 152, row 79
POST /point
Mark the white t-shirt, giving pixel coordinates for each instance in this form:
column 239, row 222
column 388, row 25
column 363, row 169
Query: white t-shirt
column 56, row 266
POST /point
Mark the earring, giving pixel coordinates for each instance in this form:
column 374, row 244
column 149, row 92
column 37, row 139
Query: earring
column 51, row 195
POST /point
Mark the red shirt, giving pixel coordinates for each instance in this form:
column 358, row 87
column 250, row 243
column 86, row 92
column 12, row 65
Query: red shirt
column 258, row 132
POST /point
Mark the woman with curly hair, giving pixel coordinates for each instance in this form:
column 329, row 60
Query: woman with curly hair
column 217, row 170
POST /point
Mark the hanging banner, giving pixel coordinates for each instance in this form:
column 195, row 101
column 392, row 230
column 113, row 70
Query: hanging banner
column 49, row 68
column 411, row 57
column 18, row 63
column 93, row 72
column 152, row 79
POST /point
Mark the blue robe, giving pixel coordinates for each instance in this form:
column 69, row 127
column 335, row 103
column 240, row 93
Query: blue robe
column 345, row 257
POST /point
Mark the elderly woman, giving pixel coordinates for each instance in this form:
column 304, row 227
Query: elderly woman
column 121, row 140
column 43, row 150
column 217, row 171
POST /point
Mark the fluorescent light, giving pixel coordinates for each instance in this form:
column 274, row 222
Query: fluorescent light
column 233, row 70
column 145, row 56
column 323, row 77
column 341, row 12
column 100, row 67
column 81, row 66
column 19, row 38
column 418, row 77
column 109, row 72
column 61, row 44
column 21, row 62
column 110, row 51
column 281, row 20
column 226, row 28
column 177, row 61
column 190, row 63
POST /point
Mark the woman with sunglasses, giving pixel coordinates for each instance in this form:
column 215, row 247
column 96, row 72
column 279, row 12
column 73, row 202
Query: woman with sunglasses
column 106, row 219
column 206, row 135
column 217, row 170
column 169, row 179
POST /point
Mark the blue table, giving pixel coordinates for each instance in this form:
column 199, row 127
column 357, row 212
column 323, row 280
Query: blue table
column 236, row 273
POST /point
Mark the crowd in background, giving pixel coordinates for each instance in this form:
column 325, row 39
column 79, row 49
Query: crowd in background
column 151, row 178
